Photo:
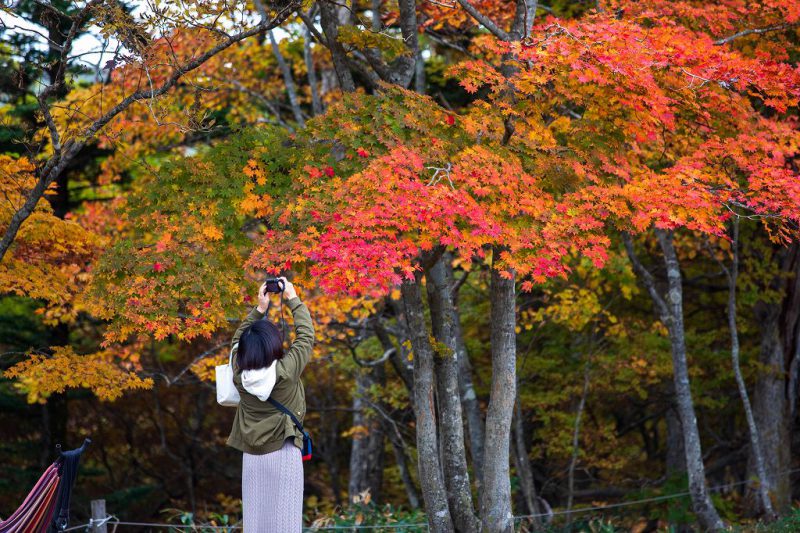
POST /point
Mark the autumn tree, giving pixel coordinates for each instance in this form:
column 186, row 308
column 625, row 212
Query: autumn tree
column 635, row 122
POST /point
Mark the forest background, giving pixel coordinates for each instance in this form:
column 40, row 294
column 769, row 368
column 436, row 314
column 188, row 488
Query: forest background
column 566, row 230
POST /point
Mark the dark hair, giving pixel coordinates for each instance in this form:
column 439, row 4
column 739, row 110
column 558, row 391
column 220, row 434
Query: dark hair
column 260, row 345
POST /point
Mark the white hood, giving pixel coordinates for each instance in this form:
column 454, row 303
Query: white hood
column 259, row 382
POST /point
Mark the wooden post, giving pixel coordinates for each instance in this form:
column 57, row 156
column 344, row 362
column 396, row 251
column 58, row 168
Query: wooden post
column 99, row 515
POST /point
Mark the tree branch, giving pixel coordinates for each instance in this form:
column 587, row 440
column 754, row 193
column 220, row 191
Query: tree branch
column 646, row 277
column 382, row 359
column 485, row 21
column 59, row 160
column 288, row 80
column 306, row 18
column 316, row 101
column 756, row 31
column 77, row 21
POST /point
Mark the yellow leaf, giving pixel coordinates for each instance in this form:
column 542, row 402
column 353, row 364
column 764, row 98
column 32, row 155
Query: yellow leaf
column 212, row 232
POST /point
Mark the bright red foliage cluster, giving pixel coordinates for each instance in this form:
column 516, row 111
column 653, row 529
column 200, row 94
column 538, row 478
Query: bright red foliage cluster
column 364, row 233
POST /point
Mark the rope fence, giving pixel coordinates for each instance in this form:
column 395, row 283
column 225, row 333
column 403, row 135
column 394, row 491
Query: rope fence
column 95, row 524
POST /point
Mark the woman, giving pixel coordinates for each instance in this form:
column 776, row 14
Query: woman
column 272, row 468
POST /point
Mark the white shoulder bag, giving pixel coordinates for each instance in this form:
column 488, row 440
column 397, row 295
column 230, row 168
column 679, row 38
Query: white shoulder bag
column 226, row 391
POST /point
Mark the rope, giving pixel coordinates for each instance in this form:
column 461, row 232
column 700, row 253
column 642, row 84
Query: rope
column 419, row 524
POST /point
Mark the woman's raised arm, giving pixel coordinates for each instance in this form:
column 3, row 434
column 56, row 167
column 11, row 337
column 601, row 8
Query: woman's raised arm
column 294, row 361
column 257, row 313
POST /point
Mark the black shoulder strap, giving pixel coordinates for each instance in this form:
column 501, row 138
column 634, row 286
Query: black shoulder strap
column 280, row 407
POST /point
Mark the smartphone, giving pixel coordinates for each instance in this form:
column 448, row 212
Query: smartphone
column 274, row 285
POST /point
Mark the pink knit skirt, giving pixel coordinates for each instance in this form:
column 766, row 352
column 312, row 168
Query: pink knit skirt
column 272, row 491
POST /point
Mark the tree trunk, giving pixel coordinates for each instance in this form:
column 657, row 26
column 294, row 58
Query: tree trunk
column 471, row 406
column 430, row 476
column 332, row 442
column 670, row 310
column 288, row 81
column 756, row 451
column 329, row 20
column 676, row 457
column 454, row 455
column 496, row 495
column 366, row 454
column 790, row 325
column 575, row 446
column 701, row 501
column 774, row 395
column 316, row 102
column 402, row 465
column 399, row 359
column 523, row 466
column 469, row 400
column 770, row 411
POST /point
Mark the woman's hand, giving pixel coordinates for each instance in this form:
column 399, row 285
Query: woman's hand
column 288, row 289
column 263, row 295
column 263, row 298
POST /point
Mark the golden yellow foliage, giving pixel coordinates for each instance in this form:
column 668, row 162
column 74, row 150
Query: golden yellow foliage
column 49, row 257
column 42, row 375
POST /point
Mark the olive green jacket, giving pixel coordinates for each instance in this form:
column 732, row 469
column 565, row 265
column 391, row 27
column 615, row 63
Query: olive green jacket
column 258, row 427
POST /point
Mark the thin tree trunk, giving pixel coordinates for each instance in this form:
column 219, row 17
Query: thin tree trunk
column 523, row 465
column 366, row 453
column 316, row 102
column 756, row 451
column 671, row 313
column 329, row 428
column 55, row 420
column 454, row 455
column 402, row 464
column 399, row 358
column 419, row 74
column 575, row 441
column 471, row 406
column 431, row 482
column 469, row 400
column 288, row 80
column 496, row 495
